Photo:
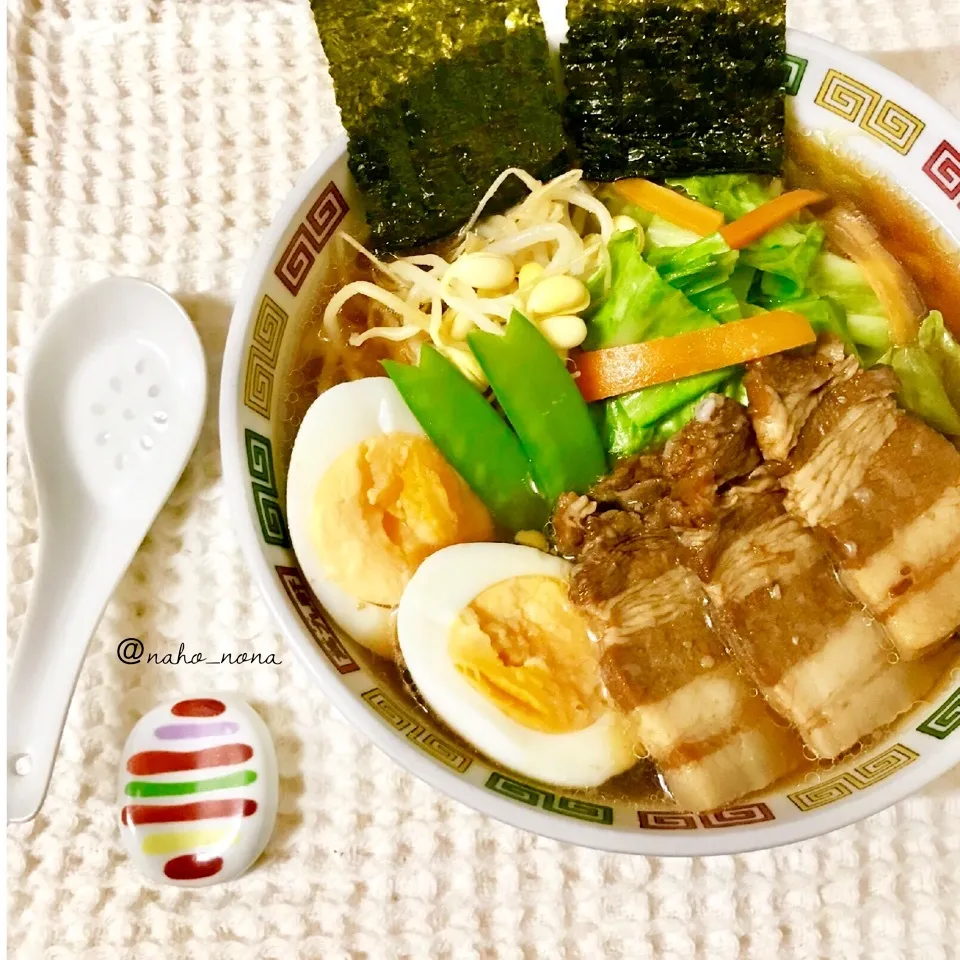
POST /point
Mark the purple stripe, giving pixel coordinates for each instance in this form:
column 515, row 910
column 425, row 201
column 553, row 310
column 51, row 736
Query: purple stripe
column 181, row 731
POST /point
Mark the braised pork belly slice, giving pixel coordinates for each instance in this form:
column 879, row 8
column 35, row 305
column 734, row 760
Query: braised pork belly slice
column 784, row 389
column 820, row 660
column 712, row 738
column 885, row 490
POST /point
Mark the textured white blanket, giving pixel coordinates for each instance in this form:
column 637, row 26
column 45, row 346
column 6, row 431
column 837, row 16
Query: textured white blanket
column 158, row 138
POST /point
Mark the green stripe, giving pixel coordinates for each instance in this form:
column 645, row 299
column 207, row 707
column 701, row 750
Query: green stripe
column 147, row 788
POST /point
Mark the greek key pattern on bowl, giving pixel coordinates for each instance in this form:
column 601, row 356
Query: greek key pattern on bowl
column 870, row 111
column 417, row 733
column 308, row 609
column 265, row 493
column 796, row 68
column 943, row 168
column 666, row 820
column 739, row 816
column 866, row 775
column 317, row 227
column 942, row 722
column 262, row 357
column 568, row 806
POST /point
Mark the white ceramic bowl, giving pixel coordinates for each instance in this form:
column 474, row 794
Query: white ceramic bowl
column 880, row 118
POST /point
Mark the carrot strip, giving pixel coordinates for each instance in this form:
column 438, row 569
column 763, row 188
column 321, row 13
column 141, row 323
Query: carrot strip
column 671, row 205
column 753, row 225
column 616, row 370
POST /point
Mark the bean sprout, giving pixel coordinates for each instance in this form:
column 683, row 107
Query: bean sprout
column 560, row 225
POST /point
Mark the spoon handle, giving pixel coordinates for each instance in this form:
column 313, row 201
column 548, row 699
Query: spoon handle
column 71, row 588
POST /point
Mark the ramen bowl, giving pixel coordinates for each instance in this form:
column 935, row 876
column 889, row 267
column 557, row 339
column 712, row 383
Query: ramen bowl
column 887, row 128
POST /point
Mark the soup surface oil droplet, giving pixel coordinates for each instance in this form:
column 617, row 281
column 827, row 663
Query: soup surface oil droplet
column 153, row 390
column 141, row 365
column 115, row 384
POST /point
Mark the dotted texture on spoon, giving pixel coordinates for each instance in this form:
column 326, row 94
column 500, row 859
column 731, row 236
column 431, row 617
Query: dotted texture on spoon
column 158, row 138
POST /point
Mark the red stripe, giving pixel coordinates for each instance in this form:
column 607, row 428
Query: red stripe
column 170, row 761
column 198, row 708
column 137, row 813
column 188, row 867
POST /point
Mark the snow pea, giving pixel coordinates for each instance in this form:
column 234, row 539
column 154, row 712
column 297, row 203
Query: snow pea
column 544, row 406
column 473, row 437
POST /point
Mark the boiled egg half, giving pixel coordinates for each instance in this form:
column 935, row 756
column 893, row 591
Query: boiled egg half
column 369, row 498
column 499, row 652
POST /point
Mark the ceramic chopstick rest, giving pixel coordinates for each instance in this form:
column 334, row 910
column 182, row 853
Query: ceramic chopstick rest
column 198, row 790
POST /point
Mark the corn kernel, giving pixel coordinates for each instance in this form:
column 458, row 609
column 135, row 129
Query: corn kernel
column 532, row 538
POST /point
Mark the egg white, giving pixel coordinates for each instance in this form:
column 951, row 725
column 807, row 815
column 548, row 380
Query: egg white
column 340, row 418
column 445, row 583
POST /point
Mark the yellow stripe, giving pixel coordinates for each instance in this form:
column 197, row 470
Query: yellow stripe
column 188, row 840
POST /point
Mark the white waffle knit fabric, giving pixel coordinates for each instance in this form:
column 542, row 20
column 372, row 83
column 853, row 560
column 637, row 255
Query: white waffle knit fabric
column 158, row 138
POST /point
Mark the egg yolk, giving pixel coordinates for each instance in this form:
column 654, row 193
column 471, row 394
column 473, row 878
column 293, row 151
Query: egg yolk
column 383, row 507
column 522, row 644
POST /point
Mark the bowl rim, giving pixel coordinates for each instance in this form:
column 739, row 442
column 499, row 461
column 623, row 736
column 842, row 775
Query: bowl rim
column 533, row 820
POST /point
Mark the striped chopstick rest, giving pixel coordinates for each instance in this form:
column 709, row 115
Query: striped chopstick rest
column 198, row 790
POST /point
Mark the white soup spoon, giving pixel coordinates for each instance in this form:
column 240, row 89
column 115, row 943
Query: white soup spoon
column 115, row 393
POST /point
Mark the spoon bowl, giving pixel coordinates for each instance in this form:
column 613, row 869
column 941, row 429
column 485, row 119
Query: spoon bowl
column 115, row 394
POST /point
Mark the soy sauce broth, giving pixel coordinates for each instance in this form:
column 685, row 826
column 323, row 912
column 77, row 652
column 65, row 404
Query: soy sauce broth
column 927, row 253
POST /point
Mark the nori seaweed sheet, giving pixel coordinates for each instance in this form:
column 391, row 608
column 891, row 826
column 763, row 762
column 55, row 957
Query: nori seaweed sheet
column 659, row 89
column 438, row 99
